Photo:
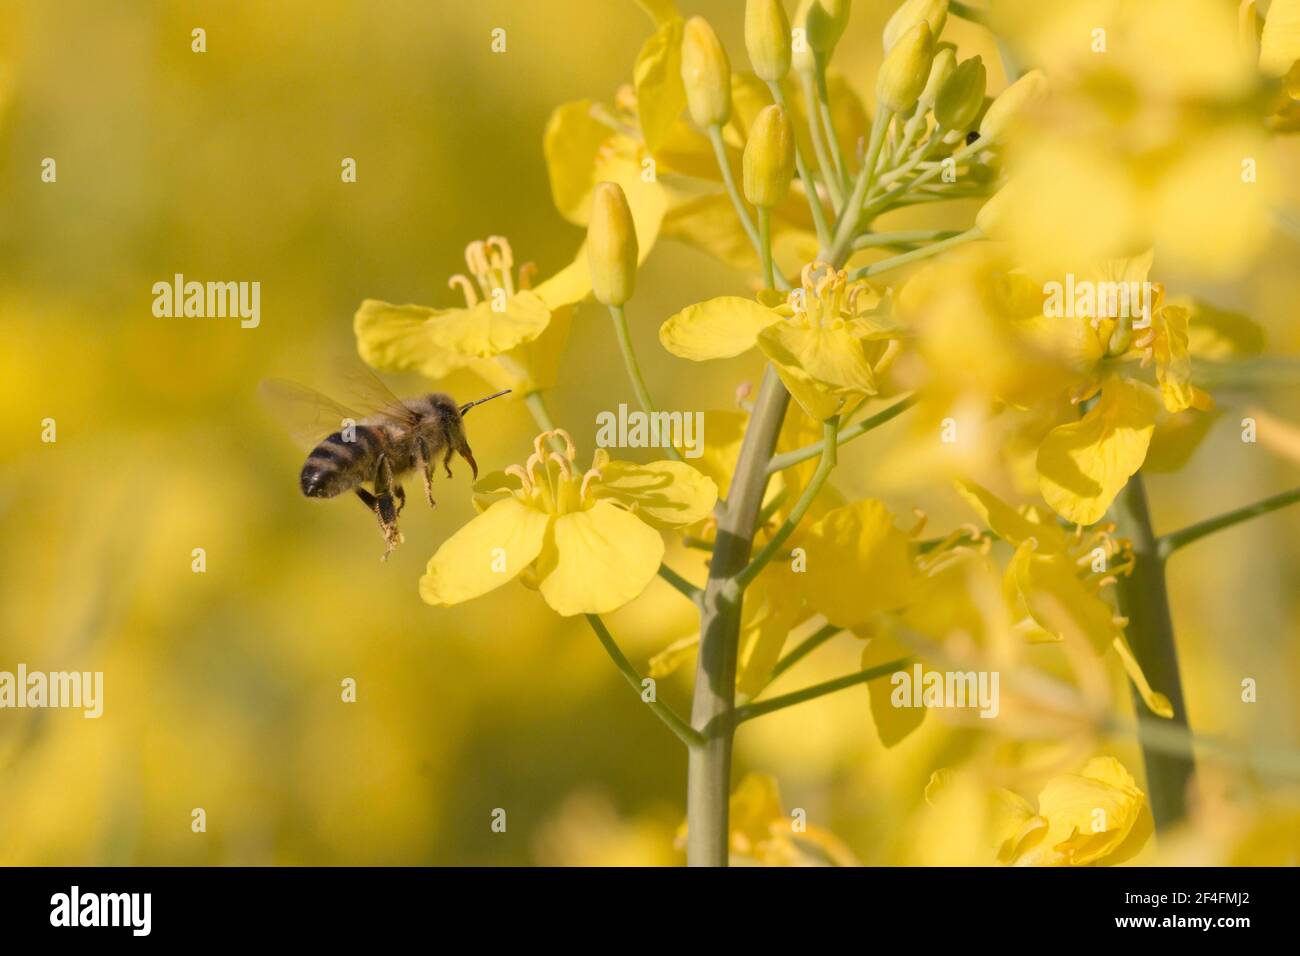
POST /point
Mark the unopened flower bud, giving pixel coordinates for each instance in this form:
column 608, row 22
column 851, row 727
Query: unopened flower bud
column 1024, row 94
column 769, row 158
column 825, row 21
column 912, row 12
column 962, row 96
column 611, row 245
column 767, row 39
column 945, row 61
column 706, row 73
column 906, row 68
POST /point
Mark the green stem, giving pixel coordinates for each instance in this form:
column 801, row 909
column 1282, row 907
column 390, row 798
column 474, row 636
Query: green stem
column 925, row 252
column 708, row 789
column 1170, row 543
column 791, row 458
column 846, row 228
column 967, row 12
column 760, row 707
column 871, row 240
column 833, row 185
column 1144, row 600
column 880, row 203
column 805, row 174
column 738, row 201
column 634, row 370
column 665, row 713
column 765, row 246
column 686, row 588
column 805, row 647
column 828, row 122
column 830, row 450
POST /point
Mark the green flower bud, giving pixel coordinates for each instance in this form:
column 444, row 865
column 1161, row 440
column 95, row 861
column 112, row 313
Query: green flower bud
column 767, row 39
column 706, row 73
column 769, row 158
column 962, row 96
column 945, row 61
column 912, row 12
column 611, row 245
column 1025, row 93
column 906, row 68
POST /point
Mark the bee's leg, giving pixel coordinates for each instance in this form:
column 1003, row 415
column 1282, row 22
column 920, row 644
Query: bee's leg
column 462, row 448
column 400, row 493
column 446, row 460
column 385, row 507
column 425, row 467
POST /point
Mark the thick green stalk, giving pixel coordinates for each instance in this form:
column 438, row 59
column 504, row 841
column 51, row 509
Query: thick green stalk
column 709, row 769
column 1144, row 600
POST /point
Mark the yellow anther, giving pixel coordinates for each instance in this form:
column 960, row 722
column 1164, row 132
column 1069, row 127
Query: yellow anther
column 570, row 449
column 625, row 98
column 526, row 273
column 502, row 258
column 587, row 479
column 523, row 476
column 476, row 259
column 566, row 468
column 465, row 286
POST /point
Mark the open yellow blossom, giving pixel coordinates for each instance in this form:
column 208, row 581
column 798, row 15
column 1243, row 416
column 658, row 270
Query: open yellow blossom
column 496, row 333
column 830, row 340
column 588, row 541
column 1098, row 816
column 1054, row 582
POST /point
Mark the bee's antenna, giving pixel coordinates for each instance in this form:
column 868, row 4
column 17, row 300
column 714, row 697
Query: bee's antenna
column 468, row 405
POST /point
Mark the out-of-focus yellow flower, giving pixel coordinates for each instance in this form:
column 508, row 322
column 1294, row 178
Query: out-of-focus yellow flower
column 1054, row 582
column 763, row 834
column 589, row 542
column 1151, row 137
column 1098, row 816
column 830, row 340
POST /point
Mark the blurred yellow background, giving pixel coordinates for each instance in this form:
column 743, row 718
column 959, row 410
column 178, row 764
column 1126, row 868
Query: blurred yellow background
column 222, row 689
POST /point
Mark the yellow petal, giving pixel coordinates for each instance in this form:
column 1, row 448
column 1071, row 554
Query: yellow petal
column 1057, row 599
column 396, row 338
column 1279, row 45
column 824, row 369
column 769, row 613
column 672, row 657
column 1156, row 702
column 509, row 535
column 482, row 332
column 572, row 141
column 657, row 76
column 719, row 328
column 1173, row 362
column 1089, row 814
column 893, row 724
column 1083, row 465
column 665, row 494
column 1009, row 524
column 858, row 563
column 597, row 560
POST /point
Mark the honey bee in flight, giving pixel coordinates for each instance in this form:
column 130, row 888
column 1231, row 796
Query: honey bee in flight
column 378, row 447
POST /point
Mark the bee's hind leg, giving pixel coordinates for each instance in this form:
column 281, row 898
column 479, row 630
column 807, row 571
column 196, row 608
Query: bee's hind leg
column 446, row 460
column 387, row 503
column 425, row 466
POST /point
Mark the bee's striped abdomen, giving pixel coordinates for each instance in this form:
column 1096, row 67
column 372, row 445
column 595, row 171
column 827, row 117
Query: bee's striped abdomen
column 336, row 466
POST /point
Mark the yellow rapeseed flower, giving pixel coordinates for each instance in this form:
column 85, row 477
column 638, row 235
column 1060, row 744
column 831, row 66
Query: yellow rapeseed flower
column 588, row 541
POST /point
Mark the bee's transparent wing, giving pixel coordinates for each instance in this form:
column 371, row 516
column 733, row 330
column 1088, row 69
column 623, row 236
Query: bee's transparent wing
column 305, row 413
column 365, row 390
